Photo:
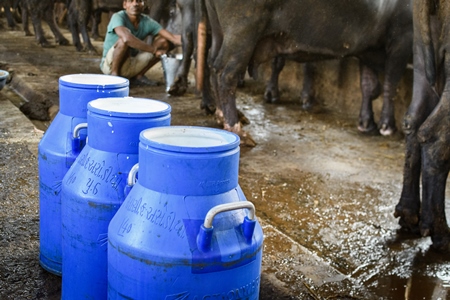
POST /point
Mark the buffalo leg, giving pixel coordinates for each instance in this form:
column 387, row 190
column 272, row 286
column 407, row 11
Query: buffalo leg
column 395, row 67
column 38, row 31
column 73, row 27
column 86, row 39
column 49, row 17
column 187, row 11
column 25, row 24
column 208, row 103
column 224, row 79
column 434, row 178
column 371, row 89
column 226, row 64
column 307, row 95
column 8, row 14
column 272, row 95
column 434, row 136
column 435, row 168
column 82, row 16
column 423, row 102
column 96, row 20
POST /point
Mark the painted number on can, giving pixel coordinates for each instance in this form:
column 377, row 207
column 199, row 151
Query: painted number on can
column 91, row 187
column 125, row 227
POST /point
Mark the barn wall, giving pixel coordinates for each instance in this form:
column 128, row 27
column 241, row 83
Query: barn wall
column 337, row 87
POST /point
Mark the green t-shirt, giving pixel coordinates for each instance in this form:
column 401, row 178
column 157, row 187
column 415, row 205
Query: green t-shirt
column 147, row 26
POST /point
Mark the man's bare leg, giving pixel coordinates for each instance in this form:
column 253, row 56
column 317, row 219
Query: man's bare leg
column 119, row 55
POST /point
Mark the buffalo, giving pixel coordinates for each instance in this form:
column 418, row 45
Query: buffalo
column 377, row 32
column 42, row 10
column 426, row 125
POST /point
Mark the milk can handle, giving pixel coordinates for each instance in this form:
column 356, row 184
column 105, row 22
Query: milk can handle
column 131, row 179
column 76, row 139
column 206, row 229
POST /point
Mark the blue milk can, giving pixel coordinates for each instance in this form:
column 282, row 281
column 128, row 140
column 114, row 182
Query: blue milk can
column 57, row 153
column 93, row 188
column 185, row 230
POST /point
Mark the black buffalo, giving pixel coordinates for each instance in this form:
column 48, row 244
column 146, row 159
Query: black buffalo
column 426, row 125
column 42, row 10
column 378, row 32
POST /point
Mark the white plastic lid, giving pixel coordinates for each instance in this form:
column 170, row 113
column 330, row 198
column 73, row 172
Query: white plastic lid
column 128, row 105
column 189, row 137
column 94, row 80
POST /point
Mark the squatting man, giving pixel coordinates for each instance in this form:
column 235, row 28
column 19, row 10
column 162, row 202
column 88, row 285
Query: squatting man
column 125, row 50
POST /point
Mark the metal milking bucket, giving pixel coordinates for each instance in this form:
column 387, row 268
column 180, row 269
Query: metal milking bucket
column 185, row 230
column 170, row 64
column 93, row 188
column 58, row 149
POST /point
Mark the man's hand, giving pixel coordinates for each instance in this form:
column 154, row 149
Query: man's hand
column 177, row 40
column 174, row 38
column 160, row 52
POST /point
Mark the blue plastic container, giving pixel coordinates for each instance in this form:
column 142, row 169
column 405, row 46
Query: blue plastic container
column 93, row 188
column 56, row 153
column 185, row 230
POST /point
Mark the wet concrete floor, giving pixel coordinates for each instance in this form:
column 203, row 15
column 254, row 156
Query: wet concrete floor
column 324, row 193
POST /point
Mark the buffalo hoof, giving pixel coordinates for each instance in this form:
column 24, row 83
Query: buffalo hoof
column 409, row 228
column 308, row 105
column 78, row 46
column 242, row 118
column 63, row 42
column 90, row 49
column 46, row 44
column 28, row 33
column 210, row 109
column 247, row 140
column 441, row 243
column 177, row 90
column 15, row 28
column 308, row 101
column 367, row 127
column 409, row 220
column 387, row 130
column 271, row 97
column 241, row 83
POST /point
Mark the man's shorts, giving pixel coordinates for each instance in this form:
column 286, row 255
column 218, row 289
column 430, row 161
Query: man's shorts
column 132, row 66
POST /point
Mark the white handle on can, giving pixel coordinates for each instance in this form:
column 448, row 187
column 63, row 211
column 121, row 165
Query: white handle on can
column 131, row 180
column 205, row 235
column 77, row 129
column 227, row 207
column 78, row 142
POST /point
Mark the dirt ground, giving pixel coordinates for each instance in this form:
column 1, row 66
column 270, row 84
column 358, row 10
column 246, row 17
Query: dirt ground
column 324, row 193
